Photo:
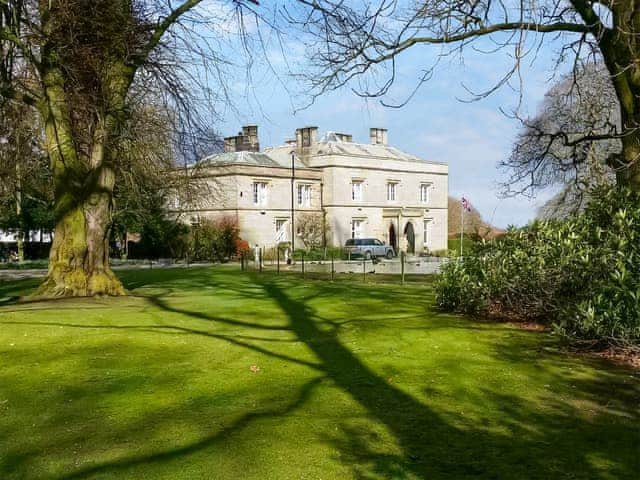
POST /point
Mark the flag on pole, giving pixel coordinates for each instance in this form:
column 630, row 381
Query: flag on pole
column 465, row 204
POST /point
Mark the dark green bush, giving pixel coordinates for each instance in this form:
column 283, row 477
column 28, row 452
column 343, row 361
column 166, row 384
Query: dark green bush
column 214, row 240
column 160, row 238
column 317, row 254
column 581, row 275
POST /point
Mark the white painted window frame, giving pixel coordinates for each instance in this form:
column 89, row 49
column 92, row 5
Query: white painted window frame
column 259, row 193
column 426, row 233
column 357, row 187
column 392, row 191
column 304, row 195
column 357, row 225
column 424, row 193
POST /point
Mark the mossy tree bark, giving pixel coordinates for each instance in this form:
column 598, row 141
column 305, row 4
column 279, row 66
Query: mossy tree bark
column 79, row 257
column 621, row 53
column 84, row 182
column 77, row 62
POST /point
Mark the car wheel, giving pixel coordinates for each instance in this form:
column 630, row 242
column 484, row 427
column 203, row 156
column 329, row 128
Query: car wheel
column 367, row 255
column 389, row 254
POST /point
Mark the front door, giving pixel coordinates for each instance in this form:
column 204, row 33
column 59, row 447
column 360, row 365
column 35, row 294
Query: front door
column 392, row 237
column 411, row 238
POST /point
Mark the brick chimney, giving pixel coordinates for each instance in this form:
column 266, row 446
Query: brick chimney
column 306, row 137
column 344, row 137
column 378, row 136
column 230, row 144
column 244, row 141
column 250, row 132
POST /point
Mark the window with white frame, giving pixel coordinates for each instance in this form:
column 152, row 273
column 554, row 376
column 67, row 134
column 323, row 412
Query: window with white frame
column 260, row 193
column 356, row 228
column 356, row 190
column 304, row 195
column 280, row 223
column 427, row 231
column 425, row 188
column 392, row 188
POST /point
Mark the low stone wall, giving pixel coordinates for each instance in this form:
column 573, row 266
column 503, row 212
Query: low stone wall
column 413, row 266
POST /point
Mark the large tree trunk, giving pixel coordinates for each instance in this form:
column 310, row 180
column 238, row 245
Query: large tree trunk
column 79, row 257
column 84, row 181
column 21, row 230
column 629, row 173
column 621, row 53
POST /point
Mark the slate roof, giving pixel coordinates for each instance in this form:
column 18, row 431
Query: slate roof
column 270, row 158
column 329, row 144
column 234, row 158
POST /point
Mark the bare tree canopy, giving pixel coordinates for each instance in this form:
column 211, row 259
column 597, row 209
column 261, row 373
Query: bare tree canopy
column 80, row 63
column 313, row 229
column 550, row 150
column 363, row 41
column 25, row 181
column 470, row 222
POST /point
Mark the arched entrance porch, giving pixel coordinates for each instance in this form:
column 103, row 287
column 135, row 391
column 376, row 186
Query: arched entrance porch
column 409, row 233
column 393, row 238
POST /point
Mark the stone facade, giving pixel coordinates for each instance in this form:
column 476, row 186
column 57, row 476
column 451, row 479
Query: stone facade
column 362, row 190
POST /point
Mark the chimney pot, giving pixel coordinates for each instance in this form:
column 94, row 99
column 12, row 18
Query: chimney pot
column 245, row 140
column 250, row 133
column 378, row 136
column 230, row 144
column 306, row 137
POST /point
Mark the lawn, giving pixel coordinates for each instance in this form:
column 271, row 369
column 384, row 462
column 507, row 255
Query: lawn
column 350, row 380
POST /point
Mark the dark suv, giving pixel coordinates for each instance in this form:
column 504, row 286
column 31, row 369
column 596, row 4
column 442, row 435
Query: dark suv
column 368, row 247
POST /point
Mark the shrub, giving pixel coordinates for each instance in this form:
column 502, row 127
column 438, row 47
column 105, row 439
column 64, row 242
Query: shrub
column 214, row 240
column 242, row 247
column 161, row 238
column 312, row 228
column 581, row 275
column 317, row 254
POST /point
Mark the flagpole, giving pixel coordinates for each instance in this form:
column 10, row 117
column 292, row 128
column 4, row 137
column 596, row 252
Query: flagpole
column 461, row 226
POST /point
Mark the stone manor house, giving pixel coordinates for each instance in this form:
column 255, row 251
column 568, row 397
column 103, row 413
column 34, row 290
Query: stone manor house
column 362, row 190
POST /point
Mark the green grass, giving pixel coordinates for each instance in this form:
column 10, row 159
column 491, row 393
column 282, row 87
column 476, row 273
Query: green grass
column 356, row 380
column 26, row 265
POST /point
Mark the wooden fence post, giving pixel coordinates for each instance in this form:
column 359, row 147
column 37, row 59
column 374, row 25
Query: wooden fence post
column 332, row 269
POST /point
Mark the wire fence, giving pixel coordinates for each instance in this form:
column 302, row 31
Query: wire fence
column 400, row 269
column 331, row 266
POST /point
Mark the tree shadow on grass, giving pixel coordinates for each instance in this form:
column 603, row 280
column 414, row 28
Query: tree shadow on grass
column 12, row 290
column 529, row 442
column 210, row 441
column 432, row 447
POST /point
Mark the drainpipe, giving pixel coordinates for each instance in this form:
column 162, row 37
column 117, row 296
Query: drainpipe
column 324, row 217
column 293, row 230
column 399, row 232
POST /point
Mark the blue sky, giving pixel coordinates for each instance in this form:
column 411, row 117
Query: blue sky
column 470, row 137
